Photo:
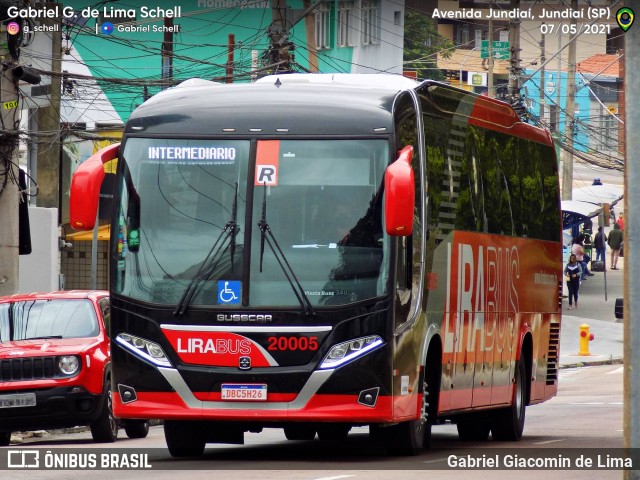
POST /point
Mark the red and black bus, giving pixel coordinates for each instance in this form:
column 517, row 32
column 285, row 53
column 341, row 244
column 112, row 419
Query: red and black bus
column 316, row 252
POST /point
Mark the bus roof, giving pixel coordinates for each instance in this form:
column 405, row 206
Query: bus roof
column 267, row 109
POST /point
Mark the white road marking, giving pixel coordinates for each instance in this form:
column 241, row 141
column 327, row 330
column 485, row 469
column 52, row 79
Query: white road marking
column 545, row 442
column 617, row 370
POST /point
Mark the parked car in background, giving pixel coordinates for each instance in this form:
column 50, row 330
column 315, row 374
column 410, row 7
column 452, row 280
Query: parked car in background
column 55, row 365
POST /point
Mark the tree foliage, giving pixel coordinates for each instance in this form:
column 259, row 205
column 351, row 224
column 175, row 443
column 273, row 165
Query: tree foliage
column 422, row 43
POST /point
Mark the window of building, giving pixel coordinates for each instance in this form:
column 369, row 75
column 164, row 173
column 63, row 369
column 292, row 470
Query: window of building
column 462, row 36
column 322, row 16
column 478, row 38
column 370, row 22
column 346, row 23
column 607, row 138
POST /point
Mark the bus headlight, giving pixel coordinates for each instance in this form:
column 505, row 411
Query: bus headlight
column 68, row 365
column 144, row 348
column 347, row 351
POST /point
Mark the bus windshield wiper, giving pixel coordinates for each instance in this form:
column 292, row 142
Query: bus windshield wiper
column 210, row 262
column 267, row 234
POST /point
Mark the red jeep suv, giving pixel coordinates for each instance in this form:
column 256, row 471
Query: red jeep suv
column 55, row 365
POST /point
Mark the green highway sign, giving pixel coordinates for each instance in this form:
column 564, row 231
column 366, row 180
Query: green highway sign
column 500, row 50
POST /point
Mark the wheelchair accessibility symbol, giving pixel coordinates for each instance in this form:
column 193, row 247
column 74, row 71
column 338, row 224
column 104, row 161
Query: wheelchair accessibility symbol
column 229, row 292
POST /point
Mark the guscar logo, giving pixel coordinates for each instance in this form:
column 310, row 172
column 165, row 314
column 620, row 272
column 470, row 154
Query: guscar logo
column 244, row 363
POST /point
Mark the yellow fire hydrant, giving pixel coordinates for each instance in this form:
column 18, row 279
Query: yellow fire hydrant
column 585, row 338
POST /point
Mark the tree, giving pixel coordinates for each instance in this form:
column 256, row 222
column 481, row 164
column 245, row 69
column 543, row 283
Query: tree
column 422, row 43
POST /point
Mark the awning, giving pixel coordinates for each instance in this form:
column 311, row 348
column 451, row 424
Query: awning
column 575, row 212
column 103, row 234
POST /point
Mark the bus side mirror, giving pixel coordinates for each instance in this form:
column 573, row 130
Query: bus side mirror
column 84, row 194
column 399, row 198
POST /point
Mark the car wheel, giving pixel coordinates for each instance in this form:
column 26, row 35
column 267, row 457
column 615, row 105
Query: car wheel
column 105, row 429
column 5, row 439
column 136, row 428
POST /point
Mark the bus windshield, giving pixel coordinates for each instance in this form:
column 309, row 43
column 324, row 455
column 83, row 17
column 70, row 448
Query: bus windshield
column 321, row 200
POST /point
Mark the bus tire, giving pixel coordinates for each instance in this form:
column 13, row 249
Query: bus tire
column 184, row 439
column 508, row 423
column 409, row 438
column 136, row 428
column 473, row 428
column 299, row 432
column 333, row 431
column 5, row 439
column 105, row 428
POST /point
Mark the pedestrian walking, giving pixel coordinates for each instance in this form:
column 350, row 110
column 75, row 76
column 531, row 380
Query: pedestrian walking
column 615, row 242
column 573, row 273
column 620, row 221
column 600, row 242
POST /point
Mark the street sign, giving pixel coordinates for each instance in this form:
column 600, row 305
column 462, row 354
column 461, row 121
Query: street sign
column 500, row 50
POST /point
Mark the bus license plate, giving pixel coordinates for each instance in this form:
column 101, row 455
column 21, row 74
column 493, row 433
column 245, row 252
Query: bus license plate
column 244, row 392
column 18, row 400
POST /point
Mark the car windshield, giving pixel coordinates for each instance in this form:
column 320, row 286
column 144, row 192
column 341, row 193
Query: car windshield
column 186, row 202
column 56, row 318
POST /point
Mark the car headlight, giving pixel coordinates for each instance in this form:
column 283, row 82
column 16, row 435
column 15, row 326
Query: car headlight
column 144, row 348
column 347, row 351
column 68, row 365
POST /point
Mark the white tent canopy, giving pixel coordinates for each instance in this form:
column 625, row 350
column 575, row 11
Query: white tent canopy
column 598, row 194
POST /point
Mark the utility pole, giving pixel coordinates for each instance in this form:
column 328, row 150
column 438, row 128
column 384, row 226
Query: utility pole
column 631, row 416
column 10, row 119
column 312, row 47
column 231, row 46
column 569, row 123
column 559, row 80
column 543, row 58
column 490, row 59
column 167, row 52
column 48, row 120
column 514, row 39
column 281, row 47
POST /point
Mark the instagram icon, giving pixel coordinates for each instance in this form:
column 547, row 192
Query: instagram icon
column 13, row 28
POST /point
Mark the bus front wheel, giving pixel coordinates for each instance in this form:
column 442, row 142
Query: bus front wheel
column 184, row 439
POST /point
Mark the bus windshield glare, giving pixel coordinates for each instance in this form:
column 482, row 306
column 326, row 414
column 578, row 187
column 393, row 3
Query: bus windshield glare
column 322, row 201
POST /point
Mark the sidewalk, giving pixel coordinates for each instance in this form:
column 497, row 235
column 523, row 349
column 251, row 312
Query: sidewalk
column 594, row 311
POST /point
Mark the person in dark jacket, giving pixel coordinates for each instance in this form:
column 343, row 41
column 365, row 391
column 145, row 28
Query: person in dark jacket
column 599, row 241
column 615, row 242
column 573, row 273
